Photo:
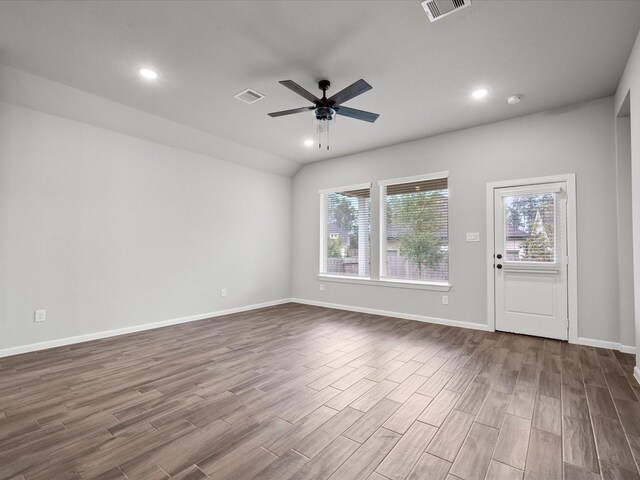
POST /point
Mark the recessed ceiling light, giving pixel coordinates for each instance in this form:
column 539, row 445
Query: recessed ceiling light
column 148, row 73
column 480, row 93
column 308, row 142
column 513, row 99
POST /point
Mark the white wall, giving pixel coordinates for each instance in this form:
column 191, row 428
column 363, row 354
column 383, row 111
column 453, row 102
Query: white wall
column 576, row 139
column 107, row 231
column 630, row 84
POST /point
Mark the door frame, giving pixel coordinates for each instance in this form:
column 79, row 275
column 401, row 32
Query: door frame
column 572, row 264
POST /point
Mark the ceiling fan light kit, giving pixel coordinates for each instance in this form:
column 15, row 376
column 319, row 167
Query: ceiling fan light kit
column 326, row 109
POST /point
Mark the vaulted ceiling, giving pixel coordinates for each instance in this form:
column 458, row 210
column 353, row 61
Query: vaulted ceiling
column 555, row 53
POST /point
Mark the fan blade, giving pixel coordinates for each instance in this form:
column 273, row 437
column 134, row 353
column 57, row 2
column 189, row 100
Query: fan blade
column 351, row 91
column 289, row 112
column 357, row 114
column 290, row 84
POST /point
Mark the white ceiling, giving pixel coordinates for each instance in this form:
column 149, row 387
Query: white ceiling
column 555, row 53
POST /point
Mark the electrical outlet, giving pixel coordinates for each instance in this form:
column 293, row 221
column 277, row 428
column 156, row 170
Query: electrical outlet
column 445, row 299
column 322, row 287
column 223, row 292
column 39, row 315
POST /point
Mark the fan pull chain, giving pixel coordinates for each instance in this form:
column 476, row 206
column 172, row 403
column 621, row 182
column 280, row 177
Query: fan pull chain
column 327, row 135
column 323, row 128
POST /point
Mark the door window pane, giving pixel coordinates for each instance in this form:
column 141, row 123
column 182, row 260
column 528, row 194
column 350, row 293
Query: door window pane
column 530, row 228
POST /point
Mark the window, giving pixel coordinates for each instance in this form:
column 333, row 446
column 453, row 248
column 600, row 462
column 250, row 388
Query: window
column 345, row 226
column 414, row 229
column 411, row 230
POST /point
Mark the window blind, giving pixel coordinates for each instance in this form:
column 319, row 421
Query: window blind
column 415, row 233
column 346, row 232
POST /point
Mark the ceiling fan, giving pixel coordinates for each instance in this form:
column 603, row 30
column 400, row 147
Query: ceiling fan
column 325, row 109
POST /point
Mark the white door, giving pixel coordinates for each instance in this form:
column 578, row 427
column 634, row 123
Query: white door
column 530, row 264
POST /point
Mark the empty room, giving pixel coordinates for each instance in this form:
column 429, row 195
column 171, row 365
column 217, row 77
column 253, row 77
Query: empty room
column 319, row 240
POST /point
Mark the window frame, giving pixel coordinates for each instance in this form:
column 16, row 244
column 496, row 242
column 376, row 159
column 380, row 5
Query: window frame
column 551, row 189
column 324, row 223
column 389, row 282
column 378, row 237
column 382, row 240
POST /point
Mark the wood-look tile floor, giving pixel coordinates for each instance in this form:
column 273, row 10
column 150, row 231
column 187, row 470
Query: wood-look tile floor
column 300, row 392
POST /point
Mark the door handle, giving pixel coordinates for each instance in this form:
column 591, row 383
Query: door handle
column 499, row 266
column 499, row 256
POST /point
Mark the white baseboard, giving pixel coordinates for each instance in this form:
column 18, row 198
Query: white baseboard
column 60, row 342
column 32, row 347
column 590, row 342
column 627, row 349
column 386, row 313
column 636, row 374
column 456, row 323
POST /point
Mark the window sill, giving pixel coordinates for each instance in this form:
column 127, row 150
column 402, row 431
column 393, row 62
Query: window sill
column 434, row 286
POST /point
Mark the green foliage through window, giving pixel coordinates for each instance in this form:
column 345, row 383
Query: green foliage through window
column 417, row 230
column 347, row 232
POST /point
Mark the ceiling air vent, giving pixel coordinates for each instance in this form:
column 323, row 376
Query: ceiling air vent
column 437, row 9
column 249, row 96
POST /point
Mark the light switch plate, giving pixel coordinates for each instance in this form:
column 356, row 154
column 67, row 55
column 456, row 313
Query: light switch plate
column 473, row 236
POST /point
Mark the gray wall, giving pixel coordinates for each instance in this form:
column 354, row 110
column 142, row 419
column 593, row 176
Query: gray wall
column 630, row 85
column 107, row 231
column 577, row 139
column 625, row 236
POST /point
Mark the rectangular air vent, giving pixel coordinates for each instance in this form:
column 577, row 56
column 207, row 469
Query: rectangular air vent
column 437, row 9
column 249, row 96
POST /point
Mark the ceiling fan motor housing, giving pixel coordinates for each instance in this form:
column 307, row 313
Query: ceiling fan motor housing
column 324, row 113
